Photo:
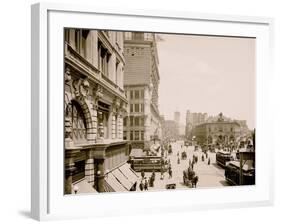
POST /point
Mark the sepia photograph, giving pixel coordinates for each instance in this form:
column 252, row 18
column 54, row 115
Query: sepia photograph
column 157, row 111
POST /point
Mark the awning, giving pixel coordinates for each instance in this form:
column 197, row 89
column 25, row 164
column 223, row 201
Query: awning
column 114, row 184
column 129, row 173
column 120, row 179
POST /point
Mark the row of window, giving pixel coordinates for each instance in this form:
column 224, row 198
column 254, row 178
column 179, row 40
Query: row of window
column 81, row 39
column 135, row 51
column 136, row 94
column 138, row 36
column 221, row 129
column 134, row 121
column 134, row 135
column 137, row 107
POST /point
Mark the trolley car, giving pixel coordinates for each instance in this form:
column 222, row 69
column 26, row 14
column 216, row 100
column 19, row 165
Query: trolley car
column 149, row 164
column 222, row 157
column 232, row 173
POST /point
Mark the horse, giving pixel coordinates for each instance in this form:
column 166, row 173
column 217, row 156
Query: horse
column 194, row 181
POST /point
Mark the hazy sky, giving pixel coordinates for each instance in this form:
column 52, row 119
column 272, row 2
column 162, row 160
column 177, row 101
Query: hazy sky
column 207, row 74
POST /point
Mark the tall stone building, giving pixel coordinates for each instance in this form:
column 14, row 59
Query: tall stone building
column 177, row 116
column 142, row 125
column 192, row 120
column 95, row 104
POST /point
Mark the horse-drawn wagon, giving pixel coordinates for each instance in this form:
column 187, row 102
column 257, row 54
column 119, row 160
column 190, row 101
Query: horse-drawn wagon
column 189, row 177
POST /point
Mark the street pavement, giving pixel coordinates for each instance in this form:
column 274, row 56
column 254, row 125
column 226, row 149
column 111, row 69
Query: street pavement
column 209, row 175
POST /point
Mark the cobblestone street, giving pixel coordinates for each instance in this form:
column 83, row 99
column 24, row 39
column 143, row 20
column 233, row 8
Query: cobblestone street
column 209, row 175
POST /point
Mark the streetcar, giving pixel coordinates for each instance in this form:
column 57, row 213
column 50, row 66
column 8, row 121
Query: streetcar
column 232, row 173
column 149, row 164
column 222, row 157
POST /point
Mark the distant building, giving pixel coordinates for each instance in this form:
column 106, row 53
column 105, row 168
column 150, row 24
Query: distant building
column 218, row 130
column 170, row 130
column 181, row 130
column 192, row 120
column 177, row 117
column 142, row 125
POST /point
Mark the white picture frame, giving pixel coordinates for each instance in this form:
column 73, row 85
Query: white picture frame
column 48, row 201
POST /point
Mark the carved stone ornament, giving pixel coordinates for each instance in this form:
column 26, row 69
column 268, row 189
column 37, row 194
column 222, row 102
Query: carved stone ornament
column 81, row 87
column 116, row 104
column 84, row 88
column 67, row 76
column 97, row 93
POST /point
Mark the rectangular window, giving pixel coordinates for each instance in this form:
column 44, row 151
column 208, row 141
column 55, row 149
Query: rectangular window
column 125, row 121
column 137, row 121
column 142, row 135
column 138, row 35
column 77, row 40
column 137, row 94
column 128, row 35
column 83, row 50
column 142, row 107
column 131, row 94
column 147, row 36
column 116, row 72
column 131, row 107
column 137, row 135
column 103, row 122
column 131, row 121
column 124, row 135
column 141, row 121
column 131, row 135
column 104, row 57
column 137, row 108
column 142, row 94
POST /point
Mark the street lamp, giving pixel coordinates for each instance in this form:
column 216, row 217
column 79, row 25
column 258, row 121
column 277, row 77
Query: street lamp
column 75, row 189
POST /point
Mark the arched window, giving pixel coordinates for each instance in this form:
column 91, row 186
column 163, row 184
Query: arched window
column 79, row 132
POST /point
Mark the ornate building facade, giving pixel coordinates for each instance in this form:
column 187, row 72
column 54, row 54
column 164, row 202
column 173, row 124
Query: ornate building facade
column 218, row 130
column 142, row 125
column 95, row 104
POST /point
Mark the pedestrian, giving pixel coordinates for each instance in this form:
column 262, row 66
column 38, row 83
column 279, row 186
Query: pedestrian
column 178, row 160
column 162, row 174
column 145, row 185
column 209, row 161
column 141, row 185
column 170, row 173
column 142, row 174
column 203, row 158
column 153, row 174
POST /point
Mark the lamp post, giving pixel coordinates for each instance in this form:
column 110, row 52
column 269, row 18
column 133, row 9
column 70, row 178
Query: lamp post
column 75, row 189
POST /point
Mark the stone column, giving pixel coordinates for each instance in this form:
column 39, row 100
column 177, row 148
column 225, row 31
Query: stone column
column 120, row 127
column 89, row 168
column 95, row 120
column 100, row 176
column 69, row 169
column 113, row 126
column 70, row 153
